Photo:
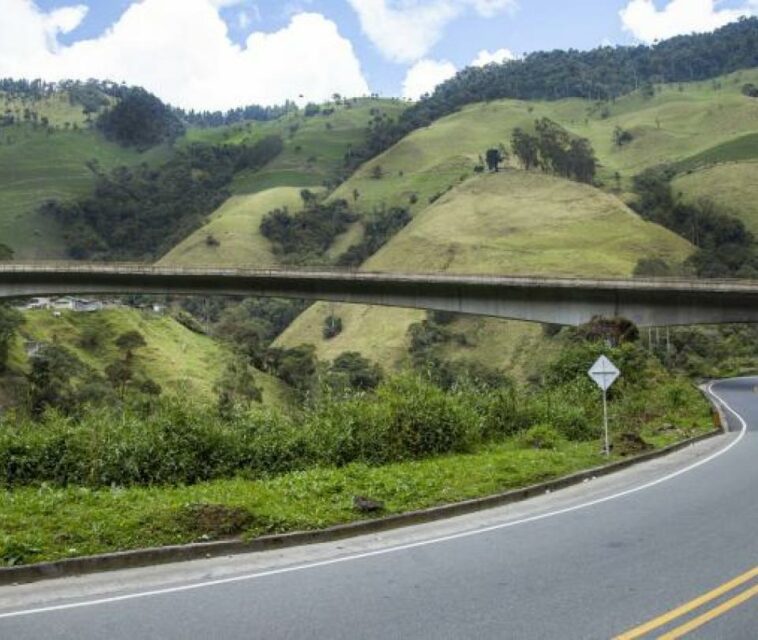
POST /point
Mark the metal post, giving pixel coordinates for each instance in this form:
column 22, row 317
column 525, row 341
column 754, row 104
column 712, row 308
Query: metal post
column 605, row 422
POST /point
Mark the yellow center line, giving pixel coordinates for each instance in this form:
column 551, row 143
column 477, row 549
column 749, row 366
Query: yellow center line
column 712, row 614
column 686, row 608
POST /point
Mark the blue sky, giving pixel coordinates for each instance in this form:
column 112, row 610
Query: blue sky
column 391, row 47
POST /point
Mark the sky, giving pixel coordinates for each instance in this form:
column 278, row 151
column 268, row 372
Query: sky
column 220, row 54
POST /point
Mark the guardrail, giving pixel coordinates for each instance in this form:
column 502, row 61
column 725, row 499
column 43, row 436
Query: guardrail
column 330, row 272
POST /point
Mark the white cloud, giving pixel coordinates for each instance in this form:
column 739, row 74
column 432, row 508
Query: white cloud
column 406, row 30
column 487, row 57
column 66, row 19
column 181, row 51
column 643, row 20
column 425, row 75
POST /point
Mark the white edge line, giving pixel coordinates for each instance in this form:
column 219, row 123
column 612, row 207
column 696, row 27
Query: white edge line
column 395, row 549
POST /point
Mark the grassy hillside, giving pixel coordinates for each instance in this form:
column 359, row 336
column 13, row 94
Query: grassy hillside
column 314, row 152
column 59, row 109
column 733, row 186
column 36, row 166
column 314, row 146
column 510, row 223
column 235, row 226
column 178, row 359
column 678, row 123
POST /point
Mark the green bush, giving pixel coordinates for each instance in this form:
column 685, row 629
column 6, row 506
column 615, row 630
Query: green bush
column 541, row 436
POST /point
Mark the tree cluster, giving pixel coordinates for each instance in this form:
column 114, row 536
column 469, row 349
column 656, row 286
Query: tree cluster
column 142, row 211
column 725, row 247
column 553, row 150
column 140, row 120
column 304, row 237
column 378, row 230
column 235, row 116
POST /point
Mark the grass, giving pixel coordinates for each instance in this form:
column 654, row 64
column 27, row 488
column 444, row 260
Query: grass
column 510, row 223
column 314, row 147
column 178, row 359
column 35, row 167
column 46, row 523
column 732, row 186
column 672, row 126
column 57, row 108
column 236, row 227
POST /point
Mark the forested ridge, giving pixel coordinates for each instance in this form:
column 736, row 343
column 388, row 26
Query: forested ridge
column 605, row 73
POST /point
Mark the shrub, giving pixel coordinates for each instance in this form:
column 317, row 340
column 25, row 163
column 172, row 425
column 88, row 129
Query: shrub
column 541, row 437
column 332, row 327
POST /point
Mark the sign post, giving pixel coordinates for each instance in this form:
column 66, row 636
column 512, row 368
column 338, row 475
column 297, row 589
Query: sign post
column 604, row 373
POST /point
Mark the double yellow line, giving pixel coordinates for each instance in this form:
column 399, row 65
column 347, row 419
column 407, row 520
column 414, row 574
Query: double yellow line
column 692, row 605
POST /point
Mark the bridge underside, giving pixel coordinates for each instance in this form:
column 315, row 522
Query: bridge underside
column 566, row 302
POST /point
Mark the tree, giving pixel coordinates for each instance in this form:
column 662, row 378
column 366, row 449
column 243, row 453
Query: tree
column 295, row 366
column 237, row 387
column 308, row 197
column 332, row 327
column 621, row 136
column 10, row 321
column 526, row 148
column 494, row 158
column 140, row 120
column 6, row 253
column 356, row 371
column 119, row 374
column 129, row 342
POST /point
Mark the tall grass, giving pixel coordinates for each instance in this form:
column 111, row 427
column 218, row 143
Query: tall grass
column 407, row 418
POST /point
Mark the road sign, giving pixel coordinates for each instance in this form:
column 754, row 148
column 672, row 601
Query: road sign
column 604, row 373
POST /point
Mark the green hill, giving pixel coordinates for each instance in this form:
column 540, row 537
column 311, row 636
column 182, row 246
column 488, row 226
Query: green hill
column 732, row 186
column 180, row 360
column 527, row 223
column 232, row 235
column 39, row 162
column 679, row 122
column 513, row 222
column 314, row 152
column 315, row 146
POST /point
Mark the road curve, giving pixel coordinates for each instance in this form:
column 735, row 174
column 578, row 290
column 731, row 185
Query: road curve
column 594, row 561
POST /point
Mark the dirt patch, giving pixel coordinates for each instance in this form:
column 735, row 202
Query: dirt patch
column 213, row 520
column 630, row 444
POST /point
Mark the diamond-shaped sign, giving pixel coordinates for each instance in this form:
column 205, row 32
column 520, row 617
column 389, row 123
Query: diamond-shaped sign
column 604, row 373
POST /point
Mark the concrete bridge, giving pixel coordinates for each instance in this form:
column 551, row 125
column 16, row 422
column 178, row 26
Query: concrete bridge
column 564, row 301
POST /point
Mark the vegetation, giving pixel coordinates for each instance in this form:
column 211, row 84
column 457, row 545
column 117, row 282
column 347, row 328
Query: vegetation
column 10, row 321
column 554, row 151
column 730, row 187
column 378, row 230
column 236, row 226
column 601, row 74
column 725, row 246
column 304, row 237
column 179, row 462
column 140, row 120
column 513, row 222
column 407, row 418
column 137, row 213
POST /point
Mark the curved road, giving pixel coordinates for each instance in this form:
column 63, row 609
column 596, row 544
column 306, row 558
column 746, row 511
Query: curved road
column 593, row 561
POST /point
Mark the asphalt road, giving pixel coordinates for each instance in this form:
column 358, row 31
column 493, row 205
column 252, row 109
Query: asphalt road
column 592, row 561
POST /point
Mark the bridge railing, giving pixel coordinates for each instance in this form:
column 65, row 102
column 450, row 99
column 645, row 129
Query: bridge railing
column 135, row 268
